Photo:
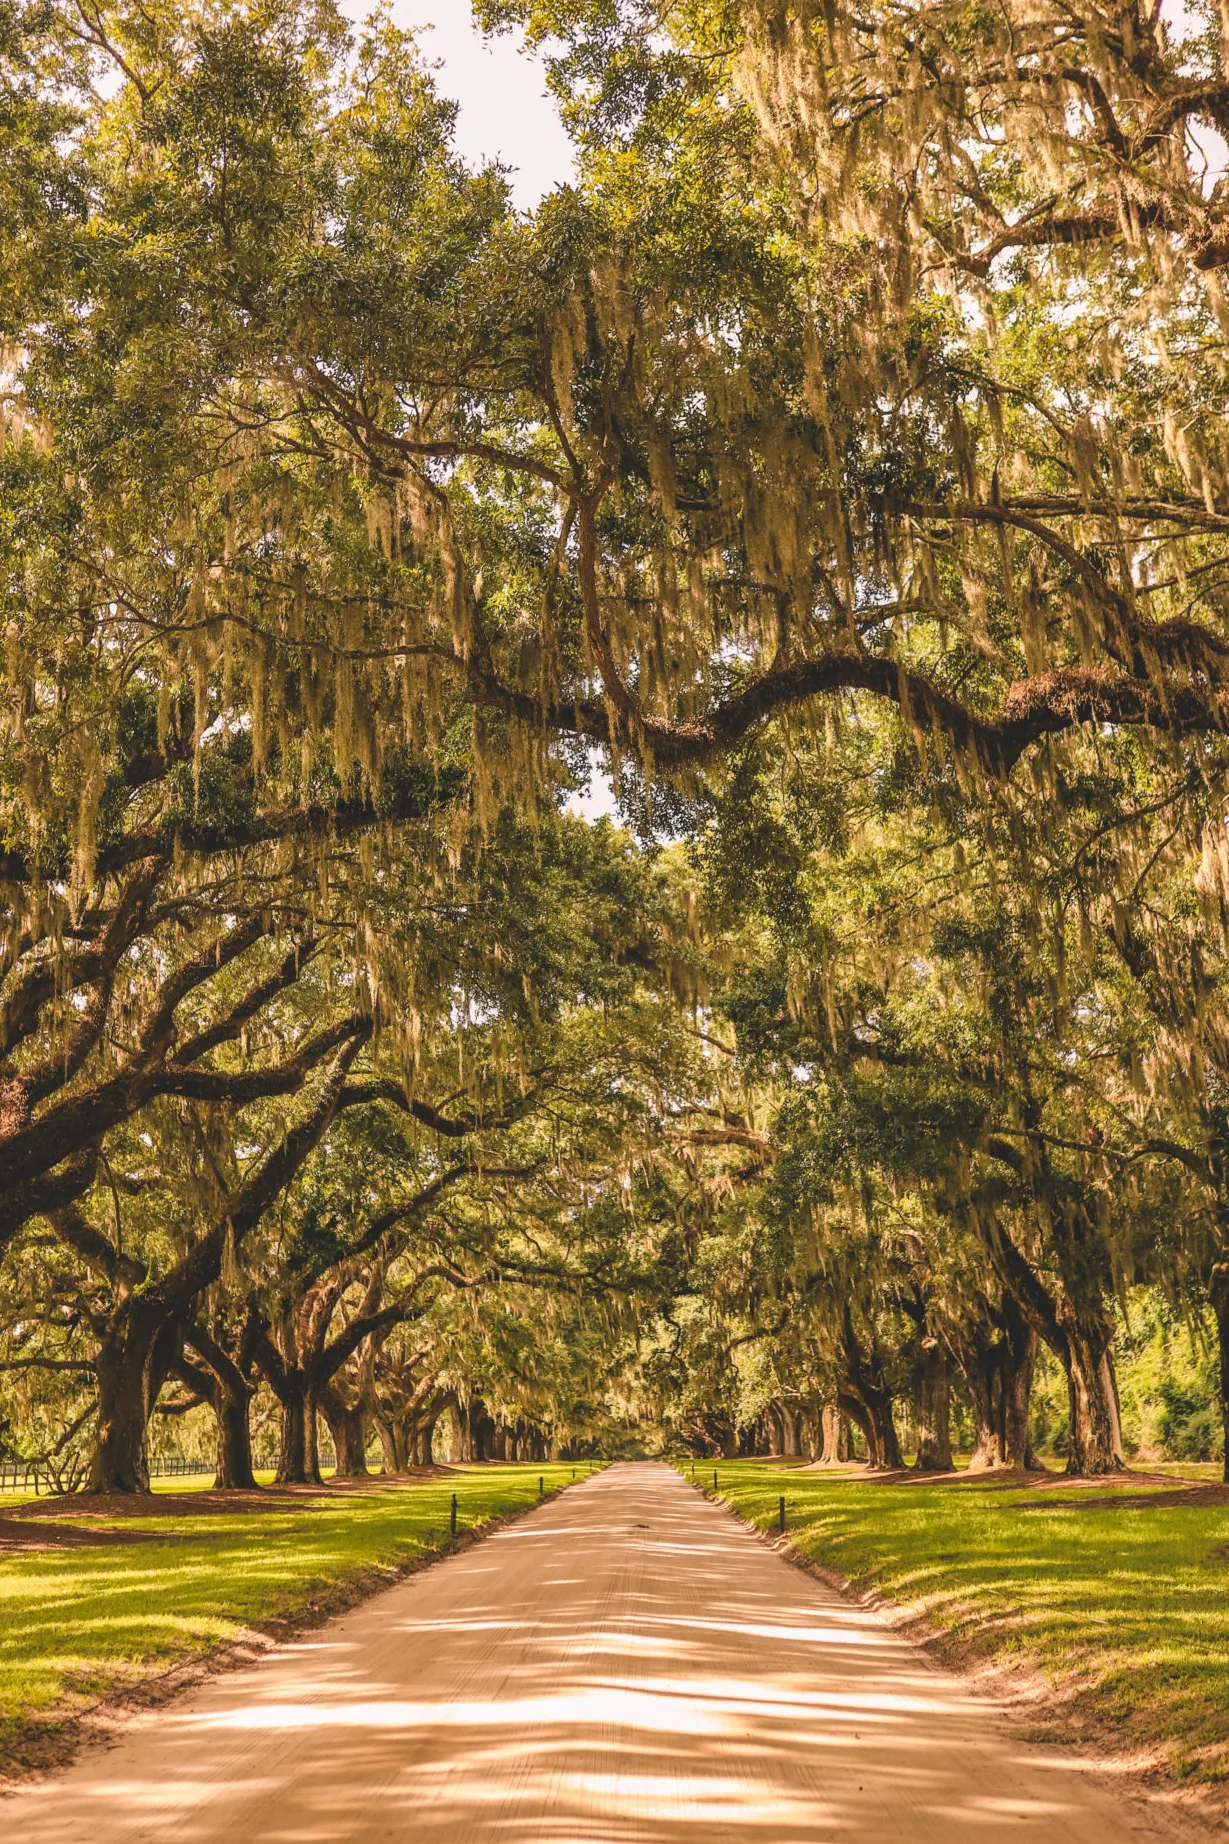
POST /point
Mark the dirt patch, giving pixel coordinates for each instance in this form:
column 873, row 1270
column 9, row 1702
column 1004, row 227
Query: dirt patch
column 21, row 1533
column 1011, row 1479
column 272, row 1498
column 1189, row 1495
column 79, row 1508
column 994, row 1479
column 436, row 1470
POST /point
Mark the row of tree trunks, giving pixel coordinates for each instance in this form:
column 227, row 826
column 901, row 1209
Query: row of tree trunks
column 137, row 1359
column 522, row 1441
column 794, row 1428
column 474, row 1429
column 1071, row 1318
column 141, row 1350
column 864, row 1397
column 142, row 1340
column 478, row 1436
column 997, row 1356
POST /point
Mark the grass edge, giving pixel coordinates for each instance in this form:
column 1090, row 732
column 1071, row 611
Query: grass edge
column 61, row 1739
column 1145, row 1782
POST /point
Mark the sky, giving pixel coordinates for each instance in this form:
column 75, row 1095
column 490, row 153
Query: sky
column 506, row 113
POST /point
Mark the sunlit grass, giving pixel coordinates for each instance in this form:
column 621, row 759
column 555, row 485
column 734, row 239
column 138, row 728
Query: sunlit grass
column 1126, row 1609
column 78, row 1624
column 178, row 1482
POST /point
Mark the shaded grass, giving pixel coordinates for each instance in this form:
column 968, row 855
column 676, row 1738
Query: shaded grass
column 78, row 1626
column 1125, row 1609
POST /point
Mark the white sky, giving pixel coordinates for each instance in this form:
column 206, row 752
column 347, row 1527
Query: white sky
column 506, row 113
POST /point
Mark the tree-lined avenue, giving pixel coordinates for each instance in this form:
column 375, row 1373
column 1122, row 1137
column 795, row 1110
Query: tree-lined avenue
column 625, row 1664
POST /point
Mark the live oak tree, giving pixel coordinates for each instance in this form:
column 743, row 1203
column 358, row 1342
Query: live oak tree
column 734, row 426
column 231, row 1239
column 958, row 422
column 937, row 990
column 843, row 458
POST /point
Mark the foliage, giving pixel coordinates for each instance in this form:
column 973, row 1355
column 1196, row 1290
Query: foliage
column 840, row 463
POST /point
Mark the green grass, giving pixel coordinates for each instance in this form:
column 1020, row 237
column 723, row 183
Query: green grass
column 79, row 1625
column 1126, row 1610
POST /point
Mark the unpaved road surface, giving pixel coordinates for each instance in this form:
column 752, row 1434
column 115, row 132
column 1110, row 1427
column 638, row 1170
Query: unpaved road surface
column 627, row 1665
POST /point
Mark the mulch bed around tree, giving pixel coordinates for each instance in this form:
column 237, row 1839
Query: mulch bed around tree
column 84, row 1508
column 1193, row 1495
column 273, row 1498
column 22, row 1533
column 1093, row 1493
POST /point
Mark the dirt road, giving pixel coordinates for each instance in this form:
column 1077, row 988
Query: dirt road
column 628, row 1665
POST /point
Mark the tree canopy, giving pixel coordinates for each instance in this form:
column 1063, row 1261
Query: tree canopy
column 838, row 467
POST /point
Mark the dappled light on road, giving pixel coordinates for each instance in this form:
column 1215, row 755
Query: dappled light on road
column 626, row 1665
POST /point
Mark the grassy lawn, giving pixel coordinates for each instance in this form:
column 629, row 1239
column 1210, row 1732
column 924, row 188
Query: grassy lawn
column 79, row 1624
column 1124, row 1608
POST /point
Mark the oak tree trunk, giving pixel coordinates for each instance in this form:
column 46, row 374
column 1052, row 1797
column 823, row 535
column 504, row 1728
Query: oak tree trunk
column 229, row 1390
column 934, row 1449
column 1095, row 1438
column 981, row 1363
column 866, row 1399
column 1218, row 1294
column 119, row 1462
column 348, row 1427
column 130, row 1369
column 234, row 1471
column 871, row 1410
column 384, row 1433
column 1019, row 1360
column 835, row 1447
column 298, row 1461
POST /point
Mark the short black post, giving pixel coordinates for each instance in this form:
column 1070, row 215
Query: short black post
column 541, row 1488
column 782, row 1514
column 714, row 1478
column 453, row 1520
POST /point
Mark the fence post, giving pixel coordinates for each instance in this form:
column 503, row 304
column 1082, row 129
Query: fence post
column 452, row 1527
column 782, row 1515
